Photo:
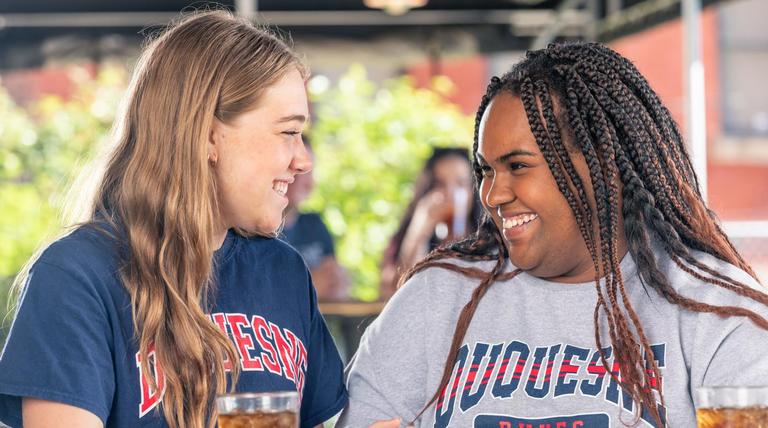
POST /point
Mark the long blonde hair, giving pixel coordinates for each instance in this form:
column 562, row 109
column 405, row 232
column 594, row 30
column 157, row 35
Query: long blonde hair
column 158, row 191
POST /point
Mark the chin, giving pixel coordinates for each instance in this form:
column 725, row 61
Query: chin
column 267, row 228
column 523, row 261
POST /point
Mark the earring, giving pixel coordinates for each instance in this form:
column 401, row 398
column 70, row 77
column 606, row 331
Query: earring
column 212, row 160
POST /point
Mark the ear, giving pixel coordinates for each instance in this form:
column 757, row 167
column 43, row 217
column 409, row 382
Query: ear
column 215, row 140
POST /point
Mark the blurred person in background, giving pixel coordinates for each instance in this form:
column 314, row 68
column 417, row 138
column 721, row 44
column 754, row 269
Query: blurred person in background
column 307, row 233
column 174, row 289
column 444, row 208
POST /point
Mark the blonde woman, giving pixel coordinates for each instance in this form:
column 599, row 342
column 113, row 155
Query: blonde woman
column 174, row 290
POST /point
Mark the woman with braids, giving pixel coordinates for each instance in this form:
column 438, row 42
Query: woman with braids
column 599, row 290
column 173, row 289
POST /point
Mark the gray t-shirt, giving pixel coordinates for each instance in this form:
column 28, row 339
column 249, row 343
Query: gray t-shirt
column 529, row 357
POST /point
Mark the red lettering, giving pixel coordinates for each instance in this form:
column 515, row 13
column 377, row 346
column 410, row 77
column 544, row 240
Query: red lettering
column 560, row 424
column 505, row 424
column 244, row 342
column 221, row 322
column 286, row 350
column 149, row 397
column 577, row 424
column 263, row 334
column 301, row 365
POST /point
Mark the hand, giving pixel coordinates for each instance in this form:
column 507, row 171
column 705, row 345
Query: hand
column 330, row 279
column 433, row 207
column 392, row 423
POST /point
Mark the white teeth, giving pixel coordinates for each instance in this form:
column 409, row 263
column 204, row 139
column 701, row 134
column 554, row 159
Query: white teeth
column 281, row 187
column 517, row 220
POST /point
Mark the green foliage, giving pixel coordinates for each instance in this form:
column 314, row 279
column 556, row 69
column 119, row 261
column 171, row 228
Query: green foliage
column 370, row 143
column 43, row 146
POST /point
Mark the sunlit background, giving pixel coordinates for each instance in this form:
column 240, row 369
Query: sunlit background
column 387, row 85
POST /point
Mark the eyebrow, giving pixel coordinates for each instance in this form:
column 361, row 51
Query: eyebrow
column 506, row 156
column 291, row 118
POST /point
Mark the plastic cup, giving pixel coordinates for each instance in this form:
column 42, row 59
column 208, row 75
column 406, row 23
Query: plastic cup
column 732, row 407
column 259, row 410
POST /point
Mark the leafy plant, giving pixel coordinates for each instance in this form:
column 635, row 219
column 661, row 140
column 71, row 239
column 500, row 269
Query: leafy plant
column 370, row 142
column 43, row 148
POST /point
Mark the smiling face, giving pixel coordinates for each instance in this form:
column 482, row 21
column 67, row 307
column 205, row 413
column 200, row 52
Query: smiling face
column 259, row 154
column 302, row 186
column 519, row 191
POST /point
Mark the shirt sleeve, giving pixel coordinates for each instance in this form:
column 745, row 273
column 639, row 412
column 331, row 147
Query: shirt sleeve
column 324, row 394
column 387, row 377
column 727, row 351
column 739, row 359
column 59, row 346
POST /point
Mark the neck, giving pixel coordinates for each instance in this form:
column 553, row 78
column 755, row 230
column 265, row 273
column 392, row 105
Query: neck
column 585, row 272
column 219, row 235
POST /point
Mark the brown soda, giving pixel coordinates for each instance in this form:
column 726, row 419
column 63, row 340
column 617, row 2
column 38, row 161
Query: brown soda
column 747, row 417
column 259, row 420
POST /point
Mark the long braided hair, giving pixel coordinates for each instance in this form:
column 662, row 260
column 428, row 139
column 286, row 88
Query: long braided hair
column 635, row 155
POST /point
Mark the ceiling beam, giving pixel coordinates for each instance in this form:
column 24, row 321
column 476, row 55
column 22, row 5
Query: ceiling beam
column 520, row 18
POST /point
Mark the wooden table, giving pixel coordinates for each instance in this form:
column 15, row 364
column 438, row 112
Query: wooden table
column 347, row 321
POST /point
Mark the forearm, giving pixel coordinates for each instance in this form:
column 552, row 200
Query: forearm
column 415, row 246
column 43, row 414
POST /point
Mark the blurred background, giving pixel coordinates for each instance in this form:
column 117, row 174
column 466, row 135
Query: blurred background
column 391, row 80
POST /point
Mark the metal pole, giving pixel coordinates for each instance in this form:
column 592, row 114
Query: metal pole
column 548, row 34
column 695, row 102
column 591, row 31
column 246, row 8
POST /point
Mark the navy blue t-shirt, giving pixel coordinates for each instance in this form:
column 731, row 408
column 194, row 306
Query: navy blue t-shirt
column 72, row 339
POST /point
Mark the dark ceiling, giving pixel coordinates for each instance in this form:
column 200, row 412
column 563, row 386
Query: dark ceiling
column 33, row 6
column 498, row 25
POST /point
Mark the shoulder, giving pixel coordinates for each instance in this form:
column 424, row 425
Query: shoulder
column 439, row 286
column 78, row 273
column 86, row 251
column 271, row 260
column 685, row 282
column 442, row 278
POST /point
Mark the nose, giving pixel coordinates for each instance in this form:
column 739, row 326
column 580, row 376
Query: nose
column 499, row 193
column 302, row 159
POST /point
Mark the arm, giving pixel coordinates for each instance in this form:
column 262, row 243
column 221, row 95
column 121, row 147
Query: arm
column 324, row 394
column 330, row 279
column 739, row 359
column 43, row 414
column 415, row 244
column 428, row 213
column 58, row 351
column 386, row 377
